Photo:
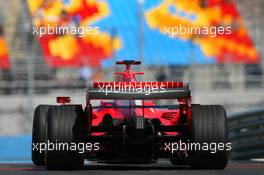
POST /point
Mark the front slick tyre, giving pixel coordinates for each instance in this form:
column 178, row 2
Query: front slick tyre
column 210, row 127
column 65, row 126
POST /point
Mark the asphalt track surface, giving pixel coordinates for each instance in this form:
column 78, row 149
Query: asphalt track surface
column 161, row 168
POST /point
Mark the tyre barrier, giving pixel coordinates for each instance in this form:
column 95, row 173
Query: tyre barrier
column 246, row 132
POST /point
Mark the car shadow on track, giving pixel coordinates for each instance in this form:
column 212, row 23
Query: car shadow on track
column 133, row 167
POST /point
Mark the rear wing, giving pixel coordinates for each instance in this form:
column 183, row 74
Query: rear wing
column 138, row 90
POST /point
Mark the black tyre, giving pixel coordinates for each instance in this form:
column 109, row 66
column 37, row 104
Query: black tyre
column 209, row 126
column 39, row 134
column 65, row 126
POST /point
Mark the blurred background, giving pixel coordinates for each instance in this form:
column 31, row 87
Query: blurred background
column 226, row 69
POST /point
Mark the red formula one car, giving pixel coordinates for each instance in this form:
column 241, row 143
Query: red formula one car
column 129, row 126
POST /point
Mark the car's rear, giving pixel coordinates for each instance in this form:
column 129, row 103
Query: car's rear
column 132, row 128
column 128, row 125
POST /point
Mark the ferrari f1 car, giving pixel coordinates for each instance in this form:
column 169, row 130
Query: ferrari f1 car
column 128, row 126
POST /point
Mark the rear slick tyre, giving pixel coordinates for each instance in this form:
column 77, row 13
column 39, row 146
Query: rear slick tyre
column 65, row 125
column 209, row 126
column 39, row 134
